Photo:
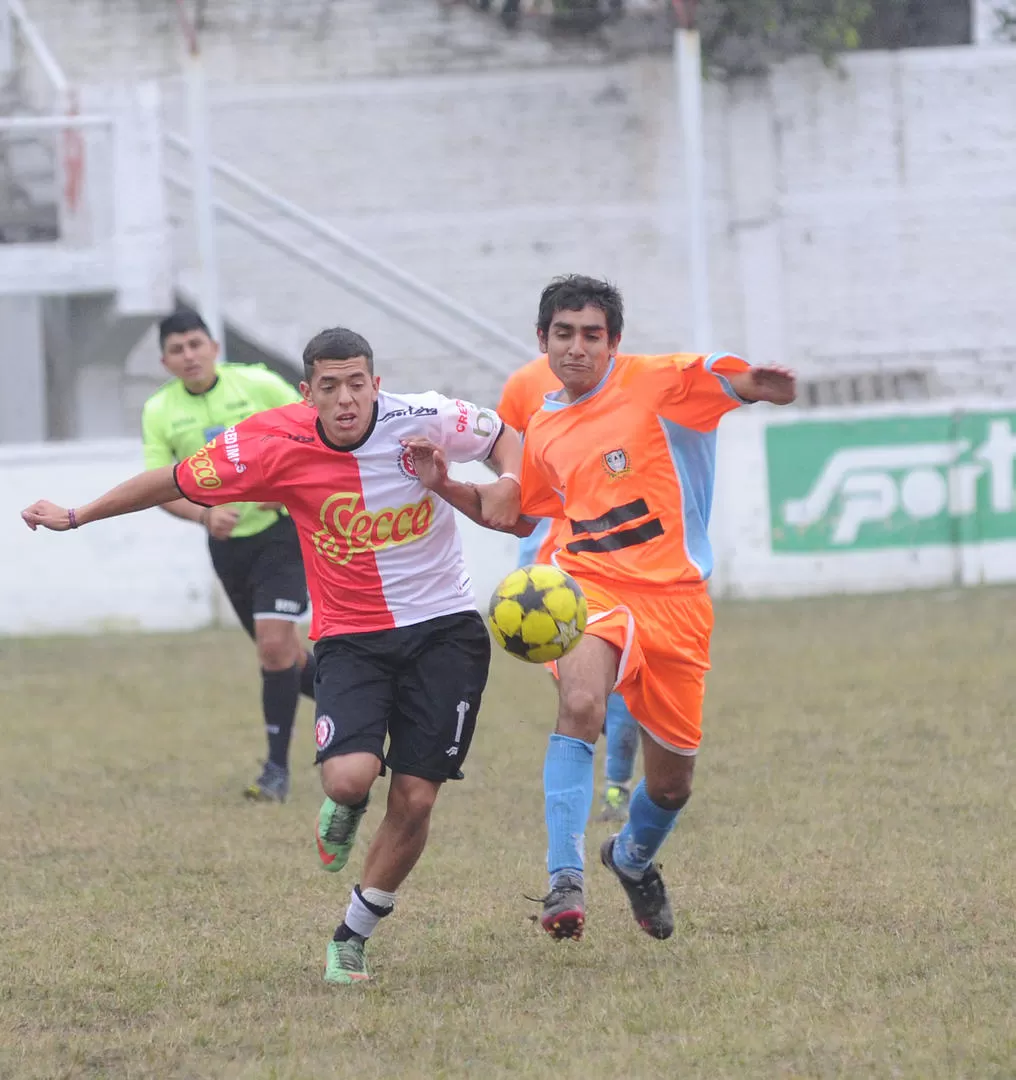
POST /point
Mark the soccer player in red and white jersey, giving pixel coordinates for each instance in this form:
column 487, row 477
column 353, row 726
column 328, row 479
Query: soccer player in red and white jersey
column 401, row 651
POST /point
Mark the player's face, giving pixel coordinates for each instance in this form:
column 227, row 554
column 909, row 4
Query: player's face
column 343, row 392
column 578, row 348
column 191, row 358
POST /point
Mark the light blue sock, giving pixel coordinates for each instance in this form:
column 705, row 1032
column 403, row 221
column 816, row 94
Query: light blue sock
column 568, row 794
column 648, row 825
column 622, row 742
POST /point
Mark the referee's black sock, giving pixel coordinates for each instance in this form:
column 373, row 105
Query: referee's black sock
column 280, row 691
column 307, row 677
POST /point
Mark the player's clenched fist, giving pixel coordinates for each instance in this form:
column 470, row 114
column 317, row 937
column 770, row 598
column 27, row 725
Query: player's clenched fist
column 771, row 383
column 48, row 515
column 500, row 503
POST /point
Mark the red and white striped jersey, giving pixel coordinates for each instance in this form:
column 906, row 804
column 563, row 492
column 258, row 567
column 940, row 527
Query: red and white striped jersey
column 379, row 549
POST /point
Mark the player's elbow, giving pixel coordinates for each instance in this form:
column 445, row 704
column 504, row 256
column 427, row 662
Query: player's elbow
column 506, row 453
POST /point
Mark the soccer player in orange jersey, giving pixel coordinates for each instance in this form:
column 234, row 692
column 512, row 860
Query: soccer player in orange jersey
column 521, row 399
column 625, row 452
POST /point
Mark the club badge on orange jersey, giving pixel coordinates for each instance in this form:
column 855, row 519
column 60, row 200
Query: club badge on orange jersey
column 616, row 463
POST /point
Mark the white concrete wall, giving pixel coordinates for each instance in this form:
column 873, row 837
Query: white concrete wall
column 988, row 26
column 146, row 571
column 469, row 183
column 861, row 217
column 897, row 200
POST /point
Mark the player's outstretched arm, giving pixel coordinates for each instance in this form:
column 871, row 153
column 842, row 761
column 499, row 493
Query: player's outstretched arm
column 432, row 469
column 501, row 501
column 152, row 488
column 777, row 385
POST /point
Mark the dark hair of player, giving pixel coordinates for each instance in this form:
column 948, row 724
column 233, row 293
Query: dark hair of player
column 338, row 343
column 572, row 293
column 181, row 322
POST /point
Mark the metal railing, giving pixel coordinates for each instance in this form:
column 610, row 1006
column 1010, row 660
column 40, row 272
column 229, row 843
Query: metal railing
column 46, row 194
column 42, row 85
column 357, row 253
column 56, row 166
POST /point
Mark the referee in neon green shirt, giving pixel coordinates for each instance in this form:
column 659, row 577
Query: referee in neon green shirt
column 254, row 547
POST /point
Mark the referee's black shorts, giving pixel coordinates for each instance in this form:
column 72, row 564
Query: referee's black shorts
column 262, row 574
column 419, row 686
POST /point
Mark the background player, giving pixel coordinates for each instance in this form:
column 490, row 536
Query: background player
column 521, row 398
column 402, row 654
column 254, row 548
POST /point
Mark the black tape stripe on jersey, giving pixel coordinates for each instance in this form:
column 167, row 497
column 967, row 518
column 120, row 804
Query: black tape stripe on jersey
column 648, row 530
column 620, row 515
column 183, row 494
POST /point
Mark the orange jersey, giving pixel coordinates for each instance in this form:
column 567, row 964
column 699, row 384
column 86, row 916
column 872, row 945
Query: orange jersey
column 630, row 467
column 524, row 392
column 521, row 398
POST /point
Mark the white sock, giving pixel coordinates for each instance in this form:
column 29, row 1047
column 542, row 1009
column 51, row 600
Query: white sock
column 359, row 917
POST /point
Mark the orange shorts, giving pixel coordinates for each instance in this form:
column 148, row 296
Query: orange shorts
column 663, row 638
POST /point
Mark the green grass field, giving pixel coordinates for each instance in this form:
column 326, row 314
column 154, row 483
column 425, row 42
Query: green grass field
column 843, row 877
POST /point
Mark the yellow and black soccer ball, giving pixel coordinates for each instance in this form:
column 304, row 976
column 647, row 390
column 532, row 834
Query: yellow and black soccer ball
column 538, row 613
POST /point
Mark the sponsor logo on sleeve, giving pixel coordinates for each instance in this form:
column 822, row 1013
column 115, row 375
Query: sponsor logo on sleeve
column 462, row 421
column 232, row 441
column 486, row 424
column 203, row 468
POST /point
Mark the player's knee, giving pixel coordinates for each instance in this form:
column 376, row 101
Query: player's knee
column 344, row 782
column 671, row 795
column 412, row 800
column 276, row 644
column 345, row 790
column 581, row 713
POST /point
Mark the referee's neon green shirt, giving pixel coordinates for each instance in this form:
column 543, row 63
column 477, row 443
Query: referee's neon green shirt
column 176, row 423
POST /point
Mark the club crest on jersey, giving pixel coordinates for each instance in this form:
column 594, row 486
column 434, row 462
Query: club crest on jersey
column 324, row 731
column 616, row 463
column 406, row 464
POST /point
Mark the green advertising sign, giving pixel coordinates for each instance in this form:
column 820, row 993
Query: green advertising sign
column 904, row 481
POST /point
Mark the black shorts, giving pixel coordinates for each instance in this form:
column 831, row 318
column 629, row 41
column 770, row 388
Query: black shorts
column 262, row 574
column 418, row 685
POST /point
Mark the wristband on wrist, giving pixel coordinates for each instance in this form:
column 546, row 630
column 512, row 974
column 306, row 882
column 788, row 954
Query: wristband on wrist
column 72, row 519
column 510, row 476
